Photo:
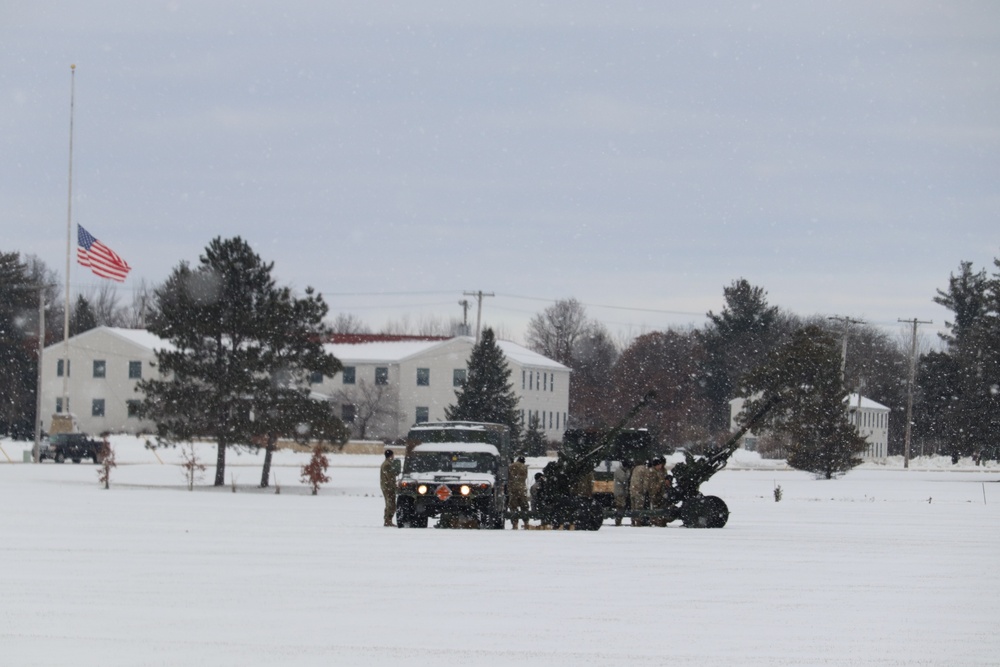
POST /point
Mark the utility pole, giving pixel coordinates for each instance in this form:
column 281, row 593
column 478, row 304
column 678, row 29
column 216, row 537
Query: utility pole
column 843, row 351
column 909, row 388
column 479, row 311
column 464, row 303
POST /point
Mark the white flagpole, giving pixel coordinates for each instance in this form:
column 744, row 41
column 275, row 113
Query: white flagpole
column 69, row 244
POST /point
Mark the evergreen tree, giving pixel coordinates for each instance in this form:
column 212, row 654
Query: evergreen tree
column 487, row 394
column 18, row 346
column 960, row 389
column 240, row 348
column 82, row 318
column 735, row 341
column 805, row 373
column 534, row 439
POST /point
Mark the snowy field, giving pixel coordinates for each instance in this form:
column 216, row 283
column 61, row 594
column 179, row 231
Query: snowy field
column 881, row 567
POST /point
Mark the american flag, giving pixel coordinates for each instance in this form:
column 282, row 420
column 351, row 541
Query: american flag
column 101, row 259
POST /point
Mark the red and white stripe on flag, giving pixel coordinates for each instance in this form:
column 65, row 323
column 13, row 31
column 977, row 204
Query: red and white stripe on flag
column 101, row 259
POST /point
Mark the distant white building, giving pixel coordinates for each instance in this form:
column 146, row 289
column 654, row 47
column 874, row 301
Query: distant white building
column 871, row 419
column 872, row 422
column 105, row 365
column 420, row 376
column 416, row 377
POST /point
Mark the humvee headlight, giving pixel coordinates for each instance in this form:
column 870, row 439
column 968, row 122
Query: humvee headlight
column 422, row 489
column 466, row 489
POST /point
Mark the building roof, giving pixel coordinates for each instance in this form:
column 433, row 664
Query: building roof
column 866, row 403
column 138, row 337
column 395, row 351
column 367, row 349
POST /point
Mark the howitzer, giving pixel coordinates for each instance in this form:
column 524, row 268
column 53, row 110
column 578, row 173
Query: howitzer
column 565, row 499
column 685, row 499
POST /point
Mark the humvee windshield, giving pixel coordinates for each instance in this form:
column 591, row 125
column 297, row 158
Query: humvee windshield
column 493, row 437
column 450, row 462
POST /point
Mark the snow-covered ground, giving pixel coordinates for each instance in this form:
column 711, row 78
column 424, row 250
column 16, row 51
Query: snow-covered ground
column 881, row 567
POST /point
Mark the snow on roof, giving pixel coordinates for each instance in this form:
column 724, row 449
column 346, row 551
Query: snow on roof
column 473, row 447
column 392, row 351
column 866, row 403
column 387, row 351
column 142, row 338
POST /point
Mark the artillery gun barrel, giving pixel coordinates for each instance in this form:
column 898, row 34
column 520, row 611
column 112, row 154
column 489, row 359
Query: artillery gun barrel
column 720, row 456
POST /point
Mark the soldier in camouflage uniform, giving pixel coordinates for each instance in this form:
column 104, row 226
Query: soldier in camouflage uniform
column 387, row 480
column 637, row 491
column 517, row 501
column 656, row 489
column 622, row 476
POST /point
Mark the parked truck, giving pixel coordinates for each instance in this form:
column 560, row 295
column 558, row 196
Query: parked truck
column 72, row 446
column 66, row 442
column 456, row 471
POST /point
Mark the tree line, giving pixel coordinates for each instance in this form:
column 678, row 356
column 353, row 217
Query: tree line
column 753, row 349
column 748, row 348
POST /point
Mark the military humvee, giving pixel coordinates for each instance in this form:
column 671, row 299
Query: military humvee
column 456, row 471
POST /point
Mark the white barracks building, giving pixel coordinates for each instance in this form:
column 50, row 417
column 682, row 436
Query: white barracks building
column 398, row 380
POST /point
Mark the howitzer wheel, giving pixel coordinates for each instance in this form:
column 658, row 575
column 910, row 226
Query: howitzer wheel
column 704, row 512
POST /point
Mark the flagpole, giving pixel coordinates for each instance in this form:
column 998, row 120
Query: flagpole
column 69, row 243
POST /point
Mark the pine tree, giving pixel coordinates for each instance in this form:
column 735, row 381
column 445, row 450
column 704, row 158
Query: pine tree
column 487, row 394
column 534, row 439
column 960, row 385
column 806, row 374
column 240, row 349
column 735, row 341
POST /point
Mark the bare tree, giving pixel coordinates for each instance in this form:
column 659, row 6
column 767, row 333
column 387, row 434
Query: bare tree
column 104, row 300
column 555, row 331
column 136, row 315
column 348, row 323
column 427, row 325
column 373, row 404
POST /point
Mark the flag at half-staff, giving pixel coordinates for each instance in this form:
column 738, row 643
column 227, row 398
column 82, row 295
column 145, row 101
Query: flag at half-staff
column 101, row 259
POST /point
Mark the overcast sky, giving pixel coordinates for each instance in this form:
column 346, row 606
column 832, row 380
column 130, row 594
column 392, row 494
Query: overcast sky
column 844, row 156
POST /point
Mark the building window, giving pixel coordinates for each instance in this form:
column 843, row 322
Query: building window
column 100, row 368
column 552, row 382
column 347, row 413
column 348, row 375
column 522, row 380
column 59, row 405
column 59, row 367
column 316, row 377
column 381, row 375
column 458, row 377
column 423, row 414
column 545, row 377
column 423, row 377
column 531, row 380
column 132, row 406
column 97, row 407
column 135, row 370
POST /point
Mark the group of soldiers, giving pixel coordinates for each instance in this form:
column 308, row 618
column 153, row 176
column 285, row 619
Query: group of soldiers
column 642, row 488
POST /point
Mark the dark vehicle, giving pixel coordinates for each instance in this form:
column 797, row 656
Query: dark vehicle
column 72, row 446
column 686, row 501
column 565, row 502
column 567, row 494
column 628, row 445
column 456, row 471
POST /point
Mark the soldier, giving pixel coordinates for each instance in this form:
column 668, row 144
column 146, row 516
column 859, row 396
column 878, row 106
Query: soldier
column 637, row 491
column 536, row 492
column 387, row 479
column 518, row 487
column 621, row 489
column 656, row 489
